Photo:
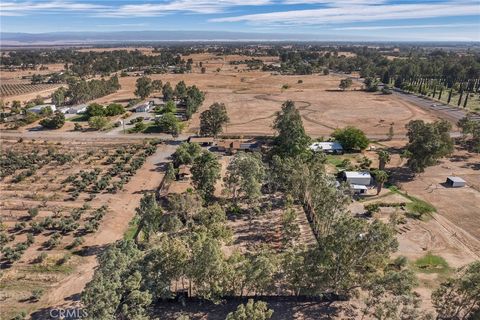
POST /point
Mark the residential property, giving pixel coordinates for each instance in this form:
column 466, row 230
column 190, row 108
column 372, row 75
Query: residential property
column 357, row 177
column 233, row 146
column 327, row 147
column 455, row 182
column 144, row 107
column 77, row 109
column 38, row 109
column 203, row 141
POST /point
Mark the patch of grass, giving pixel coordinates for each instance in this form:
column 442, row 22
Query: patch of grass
column 51, row 268
column 418, row 208
column 132, row 228
column 334, row 160
column 431, row 264
column 79, row 118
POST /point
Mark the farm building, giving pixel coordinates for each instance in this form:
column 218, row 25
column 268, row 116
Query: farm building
column 80, row 108
column 455, row 182
column 232, row 146
column 38, row 109
column 144, row 107
column 359, row 189
column 357, row 177
column 327, row 147
column 203, row 141
column 183, row 172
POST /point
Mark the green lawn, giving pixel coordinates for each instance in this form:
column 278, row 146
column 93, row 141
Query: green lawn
column 431, row 264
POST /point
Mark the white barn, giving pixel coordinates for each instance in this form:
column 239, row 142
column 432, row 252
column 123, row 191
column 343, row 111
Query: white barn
column 357, row 177
column 327, row 147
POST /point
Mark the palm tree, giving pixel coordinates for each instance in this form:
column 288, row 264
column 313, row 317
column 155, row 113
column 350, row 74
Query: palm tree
column 383, row 159
column 380, row 177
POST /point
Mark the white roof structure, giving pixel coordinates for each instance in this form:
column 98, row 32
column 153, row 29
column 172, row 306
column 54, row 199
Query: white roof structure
column 40, row 107
column 356, row 174
column 326, row 146
column 456, row 179
column 358, row 187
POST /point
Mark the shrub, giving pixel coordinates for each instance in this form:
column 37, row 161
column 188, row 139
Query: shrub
column 33, row 212
column 36, row 294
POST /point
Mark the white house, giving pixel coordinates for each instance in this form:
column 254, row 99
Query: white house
column 144, row 107
column 327, row 147
column 80, row 108
column 40, row 107
column 357, row 177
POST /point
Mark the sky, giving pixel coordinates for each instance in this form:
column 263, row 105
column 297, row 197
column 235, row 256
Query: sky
column 435, row 20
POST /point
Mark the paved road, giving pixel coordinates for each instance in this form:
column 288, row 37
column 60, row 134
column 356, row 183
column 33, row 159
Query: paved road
column 442, row 110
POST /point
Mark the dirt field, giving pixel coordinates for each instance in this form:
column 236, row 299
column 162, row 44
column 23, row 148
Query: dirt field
column 63, row 282
column 253, row 97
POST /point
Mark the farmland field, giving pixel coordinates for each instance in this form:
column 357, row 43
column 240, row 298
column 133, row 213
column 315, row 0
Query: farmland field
column 60, row 203
column 17, row 89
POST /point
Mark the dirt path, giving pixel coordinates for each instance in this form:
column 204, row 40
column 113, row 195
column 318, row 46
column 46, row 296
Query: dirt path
column 122, row 210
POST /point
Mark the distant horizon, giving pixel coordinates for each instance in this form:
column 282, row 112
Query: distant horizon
column 344, row 20
column 163, row 36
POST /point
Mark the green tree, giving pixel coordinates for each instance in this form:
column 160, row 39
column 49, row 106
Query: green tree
column 169, row 123
column 427, row 143
column 114, row 291
column 383, row 159
column 170, row 107
column 213, row 119
column 351, row 138
column 165, row 264
column 291, row 139
column 148, row 216
column 345, row 84
column 244, row 177
column 55, row 122
column 94, row 110
column 114, row 109
column 180, row 90
column 205, row 173
column 471, row 128
column 207, row 266
column 98, row 122
column 58, row 97
column 380, row 178
column 143, row 87
column 167, row 91
column 170, row 173
column 157, row 85
column 186, row 153
column 251, row 311
column 459, row 296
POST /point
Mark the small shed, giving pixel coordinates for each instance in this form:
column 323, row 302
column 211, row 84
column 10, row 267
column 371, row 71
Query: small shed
column 357, row 177
column 183, row 172
column 359, row 189
column 455, row 182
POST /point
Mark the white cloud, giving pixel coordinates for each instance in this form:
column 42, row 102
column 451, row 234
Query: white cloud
column 417, row 26
column 29, row 7
column 360, row 13
column 167, row 7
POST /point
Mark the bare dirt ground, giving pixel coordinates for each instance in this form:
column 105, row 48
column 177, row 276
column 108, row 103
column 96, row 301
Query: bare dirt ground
column 253, row 97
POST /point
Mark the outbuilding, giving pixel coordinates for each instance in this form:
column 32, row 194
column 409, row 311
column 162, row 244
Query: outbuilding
column 144, row 107
column 359, row 189
column 455, row 182
column 357, row 177
column 38, row 109
column 327, row 147
column 77, row 109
